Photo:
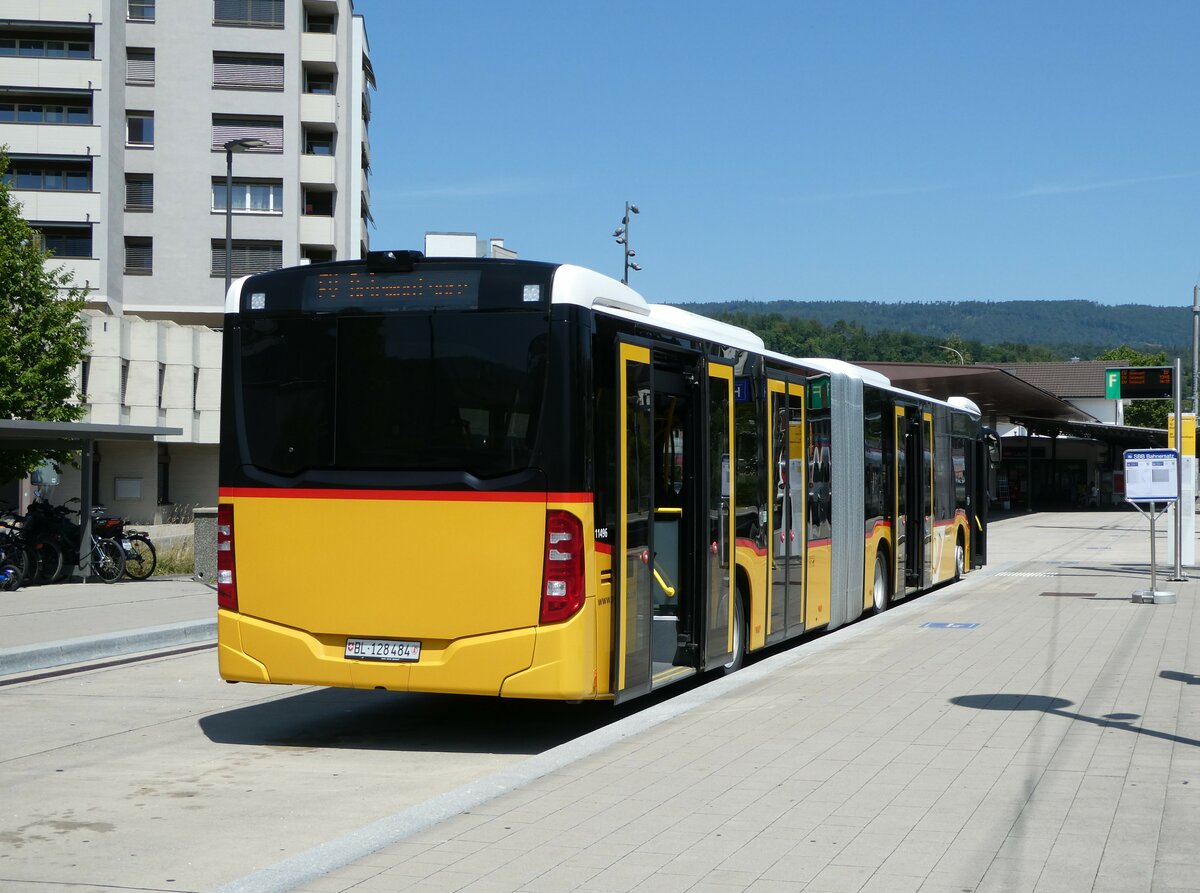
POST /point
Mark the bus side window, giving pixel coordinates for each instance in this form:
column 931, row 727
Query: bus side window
column 748, row 489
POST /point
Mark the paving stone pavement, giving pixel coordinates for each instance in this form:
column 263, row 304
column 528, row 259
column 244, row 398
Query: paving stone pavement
column 1053, row 747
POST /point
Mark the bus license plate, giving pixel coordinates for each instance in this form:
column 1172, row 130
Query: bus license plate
column 383, row 649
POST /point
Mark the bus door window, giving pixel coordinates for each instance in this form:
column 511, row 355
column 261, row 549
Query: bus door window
column 797, row 481
column 781, row 516
column 927, row 485
column 631, row 668
column 900, row 485
column 672, row 594
column 915, row 484
column 718, row 634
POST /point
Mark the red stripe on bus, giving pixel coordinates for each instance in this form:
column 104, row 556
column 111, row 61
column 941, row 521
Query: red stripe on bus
column 400, row 495
column 750, row 544
column 604, row 548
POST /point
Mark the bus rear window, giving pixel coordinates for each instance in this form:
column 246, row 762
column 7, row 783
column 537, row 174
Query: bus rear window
column 414, row 391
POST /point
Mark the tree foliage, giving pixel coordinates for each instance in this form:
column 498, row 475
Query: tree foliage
column 799, row 337
column 42, row 337
column 1066, row 328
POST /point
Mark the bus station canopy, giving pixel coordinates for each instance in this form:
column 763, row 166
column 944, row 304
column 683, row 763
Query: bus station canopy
column 995, row 391
column 21, row 434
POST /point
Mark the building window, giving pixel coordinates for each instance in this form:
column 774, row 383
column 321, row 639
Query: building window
column 316, row 255
column 235, row 127
column 318, row 142
column 65, row 240
column 139, row 66
column 248, row 71
column 45, row 48
column 139, row 192
column 38, row 112
column 139, row 128
column 255, row 196
column 317, row 81
column 139, row 256
column 124, row 380
column 140, row 11
column 320, row 23
column 247, row 257
column 54, row 176
column 318, row 203
column 255, row 13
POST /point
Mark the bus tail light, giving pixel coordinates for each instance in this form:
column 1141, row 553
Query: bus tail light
column 562, row 577
column 226, row 571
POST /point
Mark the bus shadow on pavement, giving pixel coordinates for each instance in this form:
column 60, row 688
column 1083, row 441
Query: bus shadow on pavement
column 382, row 720
column 1057, row 707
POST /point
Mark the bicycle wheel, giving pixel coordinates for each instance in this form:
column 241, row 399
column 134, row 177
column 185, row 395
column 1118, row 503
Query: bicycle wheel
column 10, row 577
column 109, row 559
column 49, row 561
column 140, row 557
column 15, row 554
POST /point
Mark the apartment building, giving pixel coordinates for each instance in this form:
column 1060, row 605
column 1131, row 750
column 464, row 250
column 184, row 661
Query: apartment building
column 122, row 119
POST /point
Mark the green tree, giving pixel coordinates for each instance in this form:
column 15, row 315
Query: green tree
column 1142, row 413
column 42, row 337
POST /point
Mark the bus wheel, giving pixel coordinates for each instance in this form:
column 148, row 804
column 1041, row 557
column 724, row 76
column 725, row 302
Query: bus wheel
column 960, row 558
column 879, row 586
column 739, row 635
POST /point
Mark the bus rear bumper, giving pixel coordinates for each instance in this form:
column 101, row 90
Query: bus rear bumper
column 253, row 650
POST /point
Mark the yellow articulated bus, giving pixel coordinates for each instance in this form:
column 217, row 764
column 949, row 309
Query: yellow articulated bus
column 521, row 479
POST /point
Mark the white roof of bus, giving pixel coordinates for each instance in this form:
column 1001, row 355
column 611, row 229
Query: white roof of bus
column 587, row 288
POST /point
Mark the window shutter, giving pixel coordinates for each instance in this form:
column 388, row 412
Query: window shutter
column 269, row 130
column 247, row 258
column 248, row 12
column 139, row 192
column 260, row 72
column 139, row 67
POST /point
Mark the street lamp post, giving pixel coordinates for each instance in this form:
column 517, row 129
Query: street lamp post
column 957, row 353
column 231, row 147
column 621, row 235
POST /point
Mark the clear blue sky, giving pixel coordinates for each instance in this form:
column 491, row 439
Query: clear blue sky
column 921, row 150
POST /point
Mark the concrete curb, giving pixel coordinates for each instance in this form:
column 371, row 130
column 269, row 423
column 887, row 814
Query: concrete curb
column 25, row 658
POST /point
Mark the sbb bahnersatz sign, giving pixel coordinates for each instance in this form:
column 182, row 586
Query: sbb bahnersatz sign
column 1151, row 476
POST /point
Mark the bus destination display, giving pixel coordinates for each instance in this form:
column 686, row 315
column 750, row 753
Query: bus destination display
column 392, row 290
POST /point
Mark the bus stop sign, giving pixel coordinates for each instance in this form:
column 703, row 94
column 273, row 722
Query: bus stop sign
column 1151, row 476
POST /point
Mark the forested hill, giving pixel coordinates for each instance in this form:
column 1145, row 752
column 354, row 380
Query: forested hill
column 1079, row 327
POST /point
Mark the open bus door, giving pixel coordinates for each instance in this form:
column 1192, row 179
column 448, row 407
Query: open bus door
column 914, row 497
column 987, row 455
column 663, row 546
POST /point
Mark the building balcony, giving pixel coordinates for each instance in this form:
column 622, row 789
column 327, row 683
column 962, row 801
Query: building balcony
column 318, row 169
column 65, row 207
column 84, row 270
column 317, row 230
column 318, row 108
column 53, row 139
column 318, row 47
column 54, row 10
column 35, row 72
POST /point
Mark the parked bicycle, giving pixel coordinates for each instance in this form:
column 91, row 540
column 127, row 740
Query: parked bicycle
column 51, row 526
column 34, row 542
column 140, row 555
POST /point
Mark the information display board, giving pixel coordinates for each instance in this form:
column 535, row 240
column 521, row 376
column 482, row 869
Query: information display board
column 1139, row 383
column 1151, row 476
